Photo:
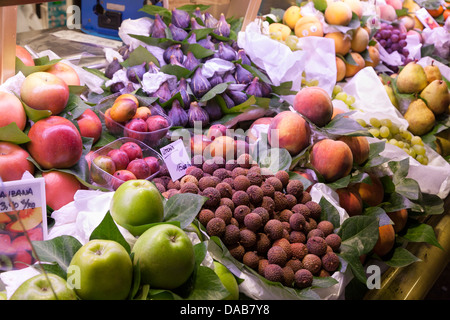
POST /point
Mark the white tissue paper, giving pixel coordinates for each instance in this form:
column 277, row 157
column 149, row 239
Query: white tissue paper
column 139, row 27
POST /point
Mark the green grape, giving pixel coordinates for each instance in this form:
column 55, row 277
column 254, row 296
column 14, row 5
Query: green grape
column 406, row 135
column 313, row 83
column 406, row 145
column 420, row 150
column 374, row 132
column 375, row 122
column 394, row 142
column 394, row 129
column 406, row 150
column 401, row 144
column 384, row 132
column 337, row 88
column 386, row 122
column 417, row 140
column 412, row 152
column 350, row 100
column 341, row 96
column 362, row 122
column 276, row 35
column 425, row 160
column 291, row 41
column 422, row 159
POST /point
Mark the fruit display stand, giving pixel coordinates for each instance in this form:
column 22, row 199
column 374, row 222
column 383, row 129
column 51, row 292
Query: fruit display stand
column 263, row 85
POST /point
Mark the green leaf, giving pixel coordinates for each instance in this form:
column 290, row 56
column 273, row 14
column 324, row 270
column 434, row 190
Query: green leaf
column 275, row 159
column 192, row 7
column 12, row 133
column 359, row 234
column 153, row 10
column 374, row 158
column 218, row 89
column 59, row 250
column 183, row 208
column 277, row 12
column 284, row 89
column 197, row 50
column 401, row 258
column 341, row 125
column 207, row 286
column 251, row 101
column 409, row 188
column 108, row 230
column 295, row 176
column 320, row 5
column 139, row 56
column 33, row 114
column 421, row 232
column 200, row 251
column 41, row 64
column 256, row 73
column 74, row 108
column 329, row 212
column 179, row 72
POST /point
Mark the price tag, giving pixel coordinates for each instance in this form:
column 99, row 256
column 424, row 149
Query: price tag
column 176, row 159
column 23, row 216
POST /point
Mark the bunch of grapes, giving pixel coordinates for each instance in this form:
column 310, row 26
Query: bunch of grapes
column 389, row 132
column 339, row 94
column 393, row 39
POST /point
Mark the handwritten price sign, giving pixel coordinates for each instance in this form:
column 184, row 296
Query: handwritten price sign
column 176, row 159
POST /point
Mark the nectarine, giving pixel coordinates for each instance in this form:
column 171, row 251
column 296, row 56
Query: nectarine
column 60, row 188
column 13, row 161
column 315, row 104
column 12, row 110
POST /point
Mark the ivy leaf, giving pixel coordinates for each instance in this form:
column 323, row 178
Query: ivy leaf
column 12, row 133
column 218, row 89
column 153, row 10
column 139, row 56
column 59, row 250
column 108, row 230
column 359, row 234
column 401, row 258
column 41, row 64
column 207, row 286
column 329, row 212
column 421, row 232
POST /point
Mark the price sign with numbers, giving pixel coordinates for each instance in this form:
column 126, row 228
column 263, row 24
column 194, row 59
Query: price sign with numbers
column 23, row 218
column 176, row 159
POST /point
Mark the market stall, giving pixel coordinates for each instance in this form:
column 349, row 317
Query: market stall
column 217, row 152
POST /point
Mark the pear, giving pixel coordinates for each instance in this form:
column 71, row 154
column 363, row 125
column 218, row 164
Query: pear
column 411, row 78
column 432, row 72
column 436, row 96
column 443, row 143
column 391, row 95
column 420, row 119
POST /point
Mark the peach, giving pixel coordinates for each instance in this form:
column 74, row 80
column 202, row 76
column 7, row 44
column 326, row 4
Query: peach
column 360, row 147
column 290, row 131
column 356, row 7
column 123, row 110
column 372, row 193
column 332, row 159
column 350, row 200
column 396, row 4
column 291, row 16
column 338, row 13
column 60, row 188
column 65, row 72
column 283, row 29
column 24, row 56
column 352, row 69
column 386, row 240
column 374, row 55
column 315, row 104
column 340, row 69
column 342, row 42
column 387, row 12
column 11, row 105
column 198, row 143
column 360, row 40
column 308, row 26
column 223, row 146
column 399, row 218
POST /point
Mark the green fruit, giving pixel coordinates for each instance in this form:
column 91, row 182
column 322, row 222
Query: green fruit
column 228, row 280
column 165, row 255
column 135, row 204
column 39, row 288
column 102, row 270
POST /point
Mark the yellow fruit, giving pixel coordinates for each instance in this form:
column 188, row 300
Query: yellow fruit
column 338, row 13
column 308, row 26
column 342, row 42
column 279, row 27
column 340, row 69
column 291, row 16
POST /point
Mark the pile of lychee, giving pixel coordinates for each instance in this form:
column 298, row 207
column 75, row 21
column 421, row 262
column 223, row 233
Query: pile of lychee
column 267, row 221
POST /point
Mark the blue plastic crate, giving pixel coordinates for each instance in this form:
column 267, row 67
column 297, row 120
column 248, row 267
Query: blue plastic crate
column 103, row 17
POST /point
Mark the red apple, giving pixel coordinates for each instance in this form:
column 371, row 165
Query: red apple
column 122, row 176
column 24, row 56
column 13, row 161
column 216, row 130
column 12, row 110
column 55, row 143
column 60, row 188
column 153, row 163
column 139, row 168
column 132, row 149
column 120, row 158
column 90, row 125
column 45, row 91
column 136, row 128
column 65, row 72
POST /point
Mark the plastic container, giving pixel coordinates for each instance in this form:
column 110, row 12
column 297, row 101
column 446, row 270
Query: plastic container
column 101, row 178
column 117, row 129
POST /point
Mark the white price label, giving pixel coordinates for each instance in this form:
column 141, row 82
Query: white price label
column 176, row 159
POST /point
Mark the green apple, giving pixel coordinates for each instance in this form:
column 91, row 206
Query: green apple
column 135, row 204
column 165, row 255
column 44, row 287
column 228, row 280
column 101, row 270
